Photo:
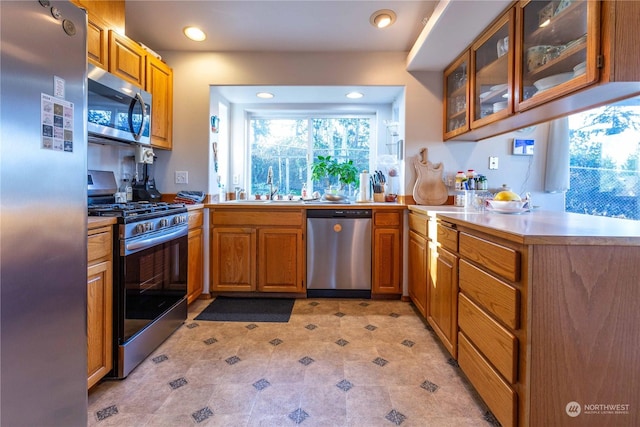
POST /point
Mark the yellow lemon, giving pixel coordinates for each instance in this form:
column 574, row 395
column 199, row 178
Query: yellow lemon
column 507, row 196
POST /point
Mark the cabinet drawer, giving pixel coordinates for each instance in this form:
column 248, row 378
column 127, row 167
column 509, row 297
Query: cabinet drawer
column 500, row 259
column 497, row 344
column 256, row 217
column 497, row 394
column 494, row 295
column 387, row 219
column 99, row 246
column 195, row 219
column 418, row 223
column 448, row 237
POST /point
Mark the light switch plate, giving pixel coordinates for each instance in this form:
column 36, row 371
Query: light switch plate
column 182, row 177
column 493, row 162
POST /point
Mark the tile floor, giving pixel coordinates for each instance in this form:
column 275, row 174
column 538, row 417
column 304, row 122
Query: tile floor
column 337, row 362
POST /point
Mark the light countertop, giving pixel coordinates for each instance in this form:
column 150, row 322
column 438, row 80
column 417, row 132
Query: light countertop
column 549, row 227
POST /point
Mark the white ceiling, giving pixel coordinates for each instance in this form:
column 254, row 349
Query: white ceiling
column 432, row 32
column 269, row 26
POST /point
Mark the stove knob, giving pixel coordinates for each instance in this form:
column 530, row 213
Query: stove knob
column 140, row 228
column 163, row 223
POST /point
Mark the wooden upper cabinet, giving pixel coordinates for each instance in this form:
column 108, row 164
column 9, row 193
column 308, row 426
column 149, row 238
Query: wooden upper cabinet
column 110, row 11
column 557, row 49
column 127, row 59
column 456, row 97
column 492, row 72
column 160, row 84
column 97, row 41
column 563, row 57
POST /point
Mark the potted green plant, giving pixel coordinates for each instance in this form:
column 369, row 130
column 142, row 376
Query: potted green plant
column 327, row 169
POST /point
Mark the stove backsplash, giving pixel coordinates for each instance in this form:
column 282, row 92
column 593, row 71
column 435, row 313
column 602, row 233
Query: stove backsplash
column 117, row 158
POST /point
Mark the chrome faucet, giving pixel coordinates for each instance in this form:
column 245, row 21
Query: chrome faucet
column 272, row 191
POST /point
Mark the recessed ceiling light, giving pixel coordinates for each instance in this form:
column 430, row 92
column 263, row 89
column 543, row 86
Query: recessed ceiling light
column 264, row 95
column 382, row 18
column 354, row 95
column 194, row 33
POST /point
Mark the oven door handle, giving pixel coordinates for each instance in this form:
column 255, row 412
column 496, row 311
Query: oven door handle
column 152, row 241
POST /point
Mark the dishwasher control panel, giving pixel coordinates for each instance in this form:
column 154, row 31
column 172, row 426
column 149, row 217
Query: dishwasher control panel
column 339, row 213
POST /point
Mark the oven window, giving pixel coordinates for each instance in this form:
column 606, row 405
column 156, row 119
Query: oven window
column 154, row 280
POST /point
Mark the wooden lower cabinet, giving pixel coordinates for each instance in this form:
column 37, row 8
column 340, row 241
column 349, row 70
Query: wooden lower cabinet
column 99, row 304
column 492, row 345
column 255, row 250
column 387, row 252
column 233, row 259
column 443, row 296
column 418, row 271
column 195, row 269
column 279, row 262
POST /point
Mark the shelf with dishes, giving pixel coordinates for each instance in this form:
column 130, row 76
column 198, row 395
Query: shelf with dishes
column 563, row 22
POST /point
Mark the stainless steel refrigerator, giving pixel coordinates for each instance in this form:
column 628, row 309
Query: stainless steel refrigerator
column 43, row 214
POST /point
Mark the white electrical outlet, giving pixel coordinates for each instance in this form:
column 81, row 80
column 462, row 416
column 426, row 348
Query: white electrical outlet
column 182, row 177
column 236, row 179
column 493, row 163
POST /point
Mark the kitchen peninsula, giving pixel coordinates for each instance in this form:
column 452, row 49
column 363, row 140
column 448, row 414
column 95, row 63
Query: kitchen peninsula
column 544, row 311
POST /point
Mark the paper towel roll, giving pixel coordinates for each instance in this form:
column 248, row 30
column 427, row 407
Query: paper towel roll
column 365, row 187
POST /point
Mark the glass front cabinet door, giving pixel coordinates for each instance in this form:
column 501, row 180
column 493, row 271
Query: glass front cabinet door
column 492, row 76
column 456, row 97
column 558, row 49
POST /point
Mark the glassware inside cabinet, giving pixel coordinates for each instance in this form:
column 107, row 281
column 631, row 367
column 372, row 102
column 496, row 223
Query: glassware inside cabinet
column 456, row 96
column 492, row 80
column 555, row 44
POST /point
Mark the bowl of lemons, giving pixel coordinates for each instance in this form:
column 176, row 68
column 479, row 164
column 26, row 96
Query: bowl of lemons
column 509, row 202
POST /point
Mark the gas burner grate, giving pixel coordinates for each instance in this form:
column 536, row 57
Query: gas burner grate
column 132, row 209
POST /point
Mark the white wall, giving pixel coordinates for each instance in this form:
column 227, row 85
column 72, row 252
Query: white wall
column 194, row 72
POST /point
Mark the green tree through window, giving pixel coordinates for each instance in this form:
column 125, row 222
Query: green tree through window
column 289, row 145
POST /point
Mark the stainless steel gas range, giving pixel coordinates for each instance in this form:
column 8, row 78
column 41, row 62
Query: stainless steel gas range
column 150, row 274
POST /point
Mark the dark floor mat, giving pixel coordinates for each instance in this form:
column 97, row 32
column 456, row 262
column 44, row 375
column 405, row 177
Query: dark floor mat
column 230, row 309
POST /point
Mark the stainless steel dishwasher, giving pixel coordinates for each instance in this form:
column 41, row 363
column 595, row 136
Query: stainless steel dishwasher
column 339, row 253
